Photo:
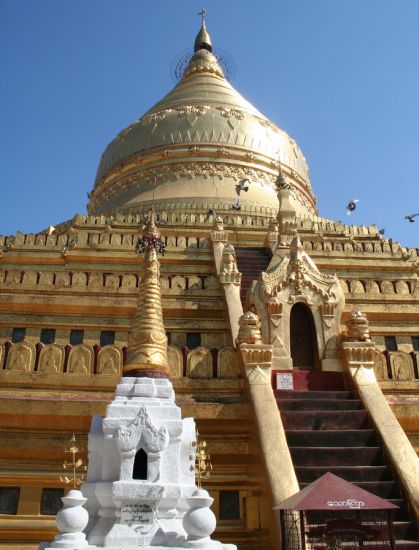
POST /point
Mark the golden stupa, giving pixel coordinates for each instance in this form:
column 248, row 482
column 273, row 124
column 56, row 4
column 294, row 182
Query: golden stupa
column 293, row 340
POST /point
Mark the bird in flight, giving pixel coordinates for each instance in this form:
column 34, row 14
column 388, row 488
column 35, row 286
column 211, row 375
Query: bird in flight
column 211, row 212
column 236, row 205
column 410, row 218
column 243, row 185
column 382, row 231
column 350, row 207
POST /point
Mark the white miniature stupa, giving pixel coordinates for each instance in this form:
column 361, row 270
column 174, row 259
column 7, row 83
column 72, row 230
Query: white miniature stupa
column 140, row 487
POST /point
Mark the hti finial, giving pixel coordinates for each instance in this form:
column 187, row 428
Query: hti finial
column 150, row 239
column 203, row 40
column 203, row 13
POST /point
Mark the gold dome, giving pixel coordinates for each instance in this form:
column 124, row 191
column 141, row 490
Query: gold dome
column 194, row 146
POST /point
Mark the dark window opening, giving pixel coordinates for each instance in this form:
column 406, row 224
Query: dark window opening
column 140, row 465
column 51, row 501
column 193, row 340
column 18, row 335
column 76, row 337
column 390, row 343
column 9, row 500
column 415, row 343
column 169, row 338
column 47, row 336
column 107, row 337
column 229, row 505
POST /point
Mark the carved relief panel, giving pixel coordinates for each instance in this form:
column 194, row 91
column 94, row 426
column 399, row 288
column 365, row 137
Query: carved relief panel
column 21, row 357
column 30, row 278
column 380, row 366
column 80, row 360
column 79, row 279
column 199, row 363
column 51, row 359
column 401, row 365
column 109, row 360
column 175, row 360
column 227, row 363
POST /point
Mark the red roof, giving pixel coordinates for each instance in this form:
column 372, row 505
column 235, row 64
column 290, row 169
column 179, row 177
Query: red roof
column 331, row 492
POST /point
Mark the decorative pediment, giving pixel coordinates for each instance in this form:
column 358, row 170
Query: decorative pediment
column 298, row 273
column 142, row 428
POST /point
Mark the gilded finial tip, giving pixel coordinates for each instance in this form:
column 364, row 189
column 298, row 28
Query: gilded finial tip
column 203, row 39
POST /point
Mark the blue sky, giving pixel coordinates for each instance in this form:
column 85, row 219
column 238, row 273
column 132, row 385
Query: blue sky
column 341, row 76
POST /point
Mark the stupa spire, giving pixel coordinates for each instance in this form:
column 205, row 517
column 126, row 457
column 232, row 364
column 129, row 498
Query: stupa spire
column 147, row 340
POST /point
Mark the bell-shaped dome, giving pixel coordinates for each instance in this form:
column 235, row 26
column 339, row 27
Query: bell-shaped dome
column 195, row 145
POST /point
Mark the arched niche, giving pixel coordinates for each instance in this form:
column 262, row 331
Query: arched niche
column 303, row 341
column 139, row 469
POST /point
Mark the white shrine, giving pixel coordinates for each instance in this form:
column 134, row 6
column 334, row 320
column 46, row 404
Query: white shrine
column 140, row 490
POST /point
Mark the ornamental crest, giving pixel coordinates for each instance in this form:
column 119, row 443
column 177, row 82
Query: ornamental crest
column 299, row 272
column 142, row 428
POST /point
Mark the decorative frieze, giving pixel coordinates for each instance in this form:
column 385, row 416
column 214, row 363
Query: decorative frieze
column 359, row 354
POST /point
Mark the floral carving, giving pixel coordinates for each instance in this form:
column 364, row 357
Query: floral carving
column 155, row 117
column 227, row 113
column 192, row 109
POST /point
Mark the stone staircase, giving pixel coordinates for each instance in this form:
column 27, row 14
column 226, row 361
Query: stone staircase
column 330, row 431
column 251, row 262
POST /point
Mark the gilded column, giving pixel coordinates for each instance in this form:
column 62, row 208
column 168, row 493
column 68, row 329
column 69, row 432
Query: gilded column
column 147, row 340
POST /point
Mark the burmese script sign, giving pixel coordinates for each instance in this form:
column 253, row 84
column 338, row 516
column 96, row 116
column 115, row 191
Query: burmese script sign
column 284, row 381
column 138, row 512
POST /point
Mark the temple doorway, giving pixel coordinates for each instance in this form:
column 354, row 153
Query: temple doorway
column 304, row 352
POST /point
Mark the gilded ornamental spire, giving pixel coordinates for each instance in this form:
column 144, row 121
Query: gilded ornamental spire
column 203, row 39
column 147, row 341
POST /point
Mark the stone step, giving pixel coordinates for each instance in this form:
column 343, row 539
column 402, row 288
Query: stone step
column 405, row 530
column 402, row 513
column 383, row 489
column 376, row 545
column 406, row 545
column 330, row 432
column 320, row 405
column 251, row 262
column 312, row 395
column 325, row 420
column 336, row 456
column 353, row 474
column 331, row 438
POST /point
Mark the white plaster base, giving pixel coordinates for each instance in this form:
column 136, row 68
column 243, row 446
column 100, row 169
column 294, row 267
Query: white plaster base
column 133, row 514
column 212, row 545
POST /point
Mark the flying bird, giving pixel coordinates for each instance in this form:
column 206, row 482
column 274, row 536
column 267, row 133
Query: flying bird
column 211, row 212
column 410, row 218
column 236, row 205
column 382, row 231
column 243, row 185
column 350, row 207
